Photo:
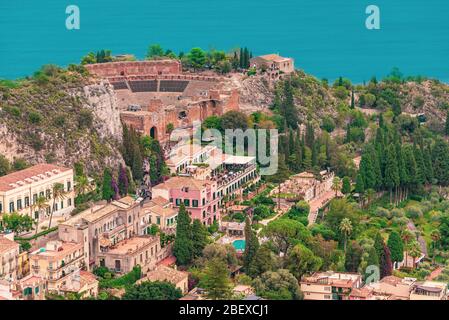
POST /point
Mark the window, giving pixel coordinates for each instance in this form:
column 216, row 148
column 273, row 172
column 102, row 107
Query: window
column 11, row 207
column 19, row 204
column 48, row 193
column 69, row 186
column 1, row 207
column 69, row 202
column 62, row 204
column 129, row 219
column 158, row 219
column 34, row 198
column 187, row 202
column 204, row 201
column 27, row 202
column 178, row 202
column 41, row 194
column 195, row 203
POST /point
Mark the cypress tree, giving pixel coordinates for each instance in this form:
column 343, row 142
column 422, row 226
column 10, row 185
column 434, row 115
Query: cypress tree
column 107, row 191
column 367, row 171
column 385, row 264
column 346, row 185
column 428, row 164
column 183, row 247
column 352, row 100
column 396, row 247
column 440, row 157
column 446, row 127
column 379, row 244
column 251, row 245
column 359, row 185
column 310, row 135
column 115, row 189
column 137, row 164
column 410, row 166
column 199, row 238
column 391, row 176
column 122, row 181
column 420, row 166
column 372, row 260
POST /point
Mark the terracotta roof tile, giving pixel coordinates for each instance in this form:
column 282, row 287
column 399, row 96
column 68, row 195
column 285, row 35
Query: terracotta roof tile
column 12, row 178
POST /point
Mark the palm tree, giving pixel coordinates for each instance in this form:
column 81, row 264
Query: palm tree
column 406, row 236
column 336, row 185
column 82, row 185
column 436, row 237
column 346, row 229
column 414, row 251
column 40, row 205
column 57, row 193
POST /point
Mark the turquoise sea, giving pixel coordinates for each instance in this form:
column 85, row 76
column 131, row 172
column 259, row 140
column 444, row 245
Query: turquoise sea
column 327, row 38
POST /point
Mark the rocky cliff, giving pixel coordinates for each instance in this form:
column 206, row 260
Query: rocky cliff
column 62, row 118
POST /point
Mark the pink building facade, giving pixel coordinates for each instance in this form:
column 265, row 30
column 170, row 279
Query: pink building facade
column 200, row 197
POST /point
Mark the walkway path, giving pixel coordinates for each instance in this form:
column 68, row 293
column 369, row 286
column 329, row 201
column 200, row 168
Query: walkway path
column 435, row 273
column 318, row 203
column 422, row 243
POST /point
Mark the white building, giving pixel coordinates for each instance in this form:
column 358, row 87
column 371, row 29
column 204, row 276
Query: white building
column 20, row 190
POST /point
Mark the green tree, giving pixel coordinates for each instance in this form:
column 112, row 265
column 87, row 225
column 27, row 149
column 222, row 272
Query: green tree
column 107, row 191
column 155, row 51
column 278, row 285
column 396, row 247
column 391, row 177
column 251, row 245
column 440, row 157
column 199, row 237
column 336, row 185
column 346, row 185
column 264, row 260
column 346, row 230
column 183, row 247
column 5, row 166
column 302, row 260
column 148, row 290
column 446, row 127
column 285, row 233
column 57, row 193
column 215, row 280
column 196, row 58
column 17, row 223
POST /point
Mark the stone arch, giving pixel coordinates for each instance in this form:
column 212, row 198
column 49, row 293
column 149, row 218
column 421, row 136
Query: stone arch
column 153, row 132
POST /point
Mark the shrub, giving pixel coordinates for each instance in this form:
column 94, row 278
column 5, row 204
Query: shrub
column 413, row 212
column 382, row 213
column 85, row 119
column 397, row 213
column 35, row 117
column 328, row 124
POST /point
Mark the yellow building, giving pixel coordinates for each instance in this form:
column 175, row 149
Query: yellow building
column 58, row 263
column 180, row 279
column 20, row 190
column 9, row 251
column 143, row 251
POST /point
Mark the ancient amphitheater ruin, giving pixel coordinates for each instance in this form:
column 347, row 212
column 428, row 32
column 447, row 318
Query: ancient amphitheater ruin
column 153, row 94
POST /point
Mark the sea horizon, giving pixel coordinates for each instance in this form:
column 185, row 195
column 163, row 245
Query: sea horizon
column 327, row 39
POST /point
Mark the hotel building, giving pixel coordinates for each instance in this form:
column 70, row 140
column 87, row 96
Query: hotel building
column 20, row 190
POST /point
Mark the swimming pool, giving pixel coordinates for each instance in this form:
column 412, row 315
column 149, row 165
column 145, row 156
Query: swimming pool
column 239, row 245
